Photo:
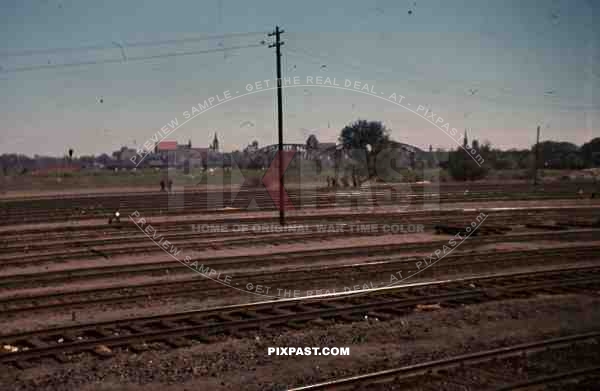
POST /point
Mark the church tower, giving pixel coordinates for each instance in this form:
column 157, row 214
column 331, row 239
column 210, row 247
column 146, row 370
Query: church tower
column 215, row 144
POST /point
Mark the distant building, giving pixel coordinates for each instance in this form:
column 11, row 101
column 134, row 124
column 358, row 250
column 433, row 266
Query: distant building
column 184, row 155
column 215, row 144
column 169, row 152
column 165, row 146
column 122, row 158
column 124, row 154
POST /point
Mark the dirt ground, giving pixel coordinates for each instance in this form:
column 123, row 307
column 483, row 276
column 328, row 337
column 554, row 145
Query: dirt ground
column 230, row 363
column 243, row 364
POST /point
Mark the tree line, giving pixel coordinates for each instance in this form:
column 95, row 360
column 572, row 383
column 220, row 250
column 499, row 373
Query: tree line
column 473, row 160
column 370, row 139
column 556, row 155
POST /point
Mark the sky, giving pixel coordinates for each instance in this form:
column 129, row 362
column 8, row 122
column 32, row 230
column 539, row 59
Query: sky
column 497, row 68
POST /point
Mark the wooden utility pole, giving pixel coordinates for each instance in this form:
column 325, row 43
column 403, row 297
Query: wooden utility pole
column 537, row 158
column 277, row 46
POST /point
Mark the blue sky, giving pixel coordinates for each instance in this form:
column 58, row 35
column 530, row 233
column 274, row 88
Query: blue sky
column 499, row 68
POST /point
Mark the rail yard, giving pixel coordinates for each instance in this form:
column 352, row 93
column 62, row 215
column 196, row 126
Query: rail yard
column 478, row 286
column 294, row 196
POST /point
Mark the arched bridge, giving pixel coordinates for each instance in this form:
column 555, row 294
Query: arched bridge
column 327, row 149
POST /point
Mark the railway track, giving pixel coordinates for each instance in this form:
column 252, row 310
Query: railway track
column 444, row 187
column 181, row 329
column 98, row 231
column 490, row 369
column 297, row 278
column 36, row 248
column 60, row 209
column 305, row 257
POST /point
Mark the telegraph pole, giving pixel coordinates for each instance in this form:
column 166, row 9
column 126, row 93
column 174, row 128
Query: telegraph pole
column 537, row 158
column 277, row 46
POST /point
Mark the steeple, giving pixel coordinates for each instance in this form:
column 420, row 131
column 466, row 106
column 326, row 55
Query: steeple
column 215, row 144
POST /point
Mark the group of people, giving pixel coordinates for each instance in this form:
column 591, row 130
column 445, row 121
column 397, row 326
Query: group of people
column 334, row 182
column 162, row 185
column 331, row 182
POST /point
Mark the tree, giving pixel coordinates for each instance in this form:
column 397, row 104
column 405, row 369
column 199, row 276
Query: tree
column 559, row 155
column 463, row 167
column 362, row 133
column 70, row 154
column 366, row 138
column 312, row 142
column 590, row 153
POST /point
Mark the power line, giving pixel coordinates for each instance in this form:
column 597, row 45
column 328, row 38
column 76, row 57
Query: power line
column 129, row 59
column 30, row 52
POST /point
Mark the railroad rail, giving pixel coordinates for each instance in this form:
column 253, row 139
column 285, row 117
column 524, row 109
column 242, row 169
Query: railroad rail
column 293, row 278
column 181, row 329
column 585, row 212
column 34, row 249
column 452, row 370
column 448, row 187
column 305, row 257
column 61, row 209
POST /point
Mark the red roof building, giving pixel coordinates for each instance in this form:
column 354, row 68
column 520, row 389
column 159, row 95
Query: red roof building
column 167, row 145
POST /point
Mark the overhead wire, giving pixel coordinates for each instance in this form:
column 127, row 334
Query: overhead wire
column 135, row 44
column 128, row 59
